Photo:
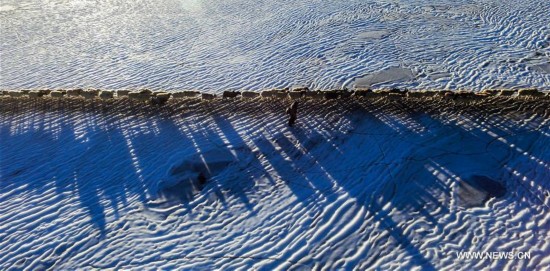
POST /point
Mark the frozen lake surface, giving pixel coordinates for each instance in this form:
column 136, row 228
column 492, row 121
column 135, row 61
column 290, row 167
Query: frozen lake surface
column 226, row 184
column 219, row 45
column 354, row 185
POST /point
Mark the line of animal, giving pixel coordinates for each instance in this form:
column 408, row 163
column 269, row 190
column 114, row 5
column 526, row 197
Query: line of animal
column 208, row 96
column 35, row 94
column 160, row 98
column 122, row 93
column 16, row 93
column 337, row 94
column 282, row 94
column 89, row 94
column 140, row 96
column 106, row 94
column 314, row 95
column 57, row 94
column 296, row 94
column 185, row 94
column 530, row 92
column 490, row 92
column 507, row 92
column 250, row 95
column 77, row 92
column 230, row 94
column 267, row 94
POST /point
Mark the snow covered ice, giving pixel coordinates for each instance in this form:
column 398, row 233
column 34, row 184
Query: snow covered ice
column 220, row 45
column 356, row 184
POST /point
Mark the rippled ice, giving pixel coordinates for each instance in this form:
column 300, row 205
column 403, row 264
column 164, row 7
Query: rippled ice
column 236, row 44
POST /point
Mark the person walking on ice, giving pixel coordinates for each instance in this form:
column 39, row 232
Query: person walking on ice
column 292, row 111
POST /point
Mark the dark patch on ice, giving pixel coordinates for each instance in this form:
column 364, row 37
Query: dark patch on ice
column 476, row 190
column 393, row 74
column 187, row 177
column 209, row 163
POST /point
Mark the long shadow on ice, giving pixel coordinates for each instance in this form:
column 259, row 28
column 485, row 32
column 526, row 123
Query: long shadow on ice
column 393, row 162
column 405, row 163
column 369, row 180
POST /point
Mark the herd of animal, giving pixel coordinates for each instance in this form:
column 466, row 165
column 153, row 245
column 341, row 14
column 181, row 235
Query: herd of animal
column 161, row 97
